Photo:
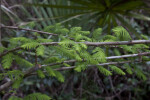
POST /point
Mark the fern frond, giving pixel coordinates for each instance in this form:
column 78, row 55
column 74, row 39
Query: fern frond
column 140, row 74
column 80, row 67
column 117, row 53
column 36, row 96
column 121, row 33
column 66, row 43
column 41, row 40
column 66, row 65
column 99, row 55
column 82, row 45
column 75, row 30
column 117, row 70
column 104, row 71
column 50, row 71
column 77, row 47
column 13, row 75
column 86, row 55
column 17, row 83
column 64, row 31
column 59, row 76
column 49, row 28
column 127, row 48
column 40, row 74
column 128, row 68
column 79, row 37
column 7, row 60
column 96, row 34
column 58, row 28
column 65, row 52
column 85, row 38
column 53, row 28
column 109, row 37
column 30, row 45
column 85, row 32
column 136, row 48
column 15, row 98
column 140, row 46
column 21, row 39
column 144, row 37
column 51, row 60
column 77, row 57
column 2, row 49
column 22, row 61
column 109, row 40
column 33, row 96
column 40, row 50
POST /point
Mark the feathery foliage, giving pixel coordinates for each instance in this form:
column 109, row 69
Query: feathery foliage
column 22, row 62
column 121, row 33
column 2, row 49
column 117, row 70
column 128, row 69
column 13, row 75
column 104, row 71
column 59, row 76
column 80, row 67
column 71, row 46
column 40, row 50
column 34, row 96
column 7, row 60
column 99, row 55
column 50, row 71
column 40, row 74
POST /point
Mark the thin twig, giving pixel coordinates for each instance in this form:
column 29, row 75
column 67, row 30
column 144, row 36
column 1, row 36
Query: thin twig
column 6, row 85
column 89, row 44
column 33, row 69
column 18, row 28
column 26, row 74
column 12, row 50
column 105, row 43
column 108, row 58
column 103, row 64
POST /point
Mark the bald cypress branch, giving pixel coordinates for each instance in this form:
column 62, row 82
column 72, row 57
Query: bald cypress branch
column 18, row 28
column 105, row 43
column 108, row 58
column 89, row 44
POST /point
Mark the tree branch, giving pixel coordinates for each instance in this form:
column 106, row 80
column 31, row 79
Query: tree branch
column 26, row 73
column 87, row 43
column 6, row 52
column 108, row 58
column 90, row 44
column 6, row 85
column 18, row 28
column 33, row 69
column 105, row 43
column 103, row 64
